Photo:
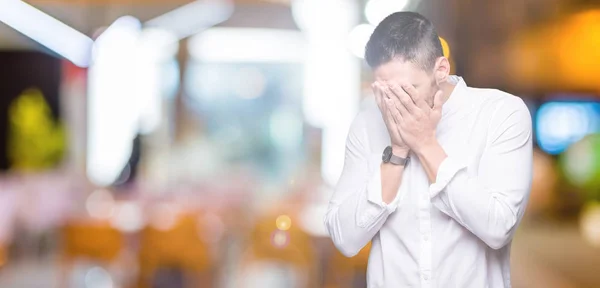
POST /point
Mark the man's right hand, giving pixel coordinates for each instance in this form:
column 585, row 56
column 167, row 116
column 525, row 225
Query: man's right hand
column 380, row 90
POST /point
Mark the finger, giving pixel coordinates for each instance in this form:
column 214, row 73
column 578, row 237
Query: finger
column 386, row 112
column 438, row 101
column 404, row 98
column 414, row 95
column 393, row 111
column 382, row 95
column 384, row 91
column 400, row 107
column 397, row 105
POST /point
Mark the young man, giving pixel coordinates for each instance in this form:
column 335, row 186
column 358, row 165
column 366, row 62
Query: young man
column 442, row 205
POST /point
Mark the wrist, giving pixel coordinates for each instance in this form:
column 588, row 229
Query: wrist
column 400, row 151
column 426, row 147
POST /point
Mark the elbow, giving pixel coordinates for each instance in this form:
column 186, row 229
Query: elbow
column 346, row 245
column 501, row 226
column 348, row 249
column 499, row 238
column 497, row 242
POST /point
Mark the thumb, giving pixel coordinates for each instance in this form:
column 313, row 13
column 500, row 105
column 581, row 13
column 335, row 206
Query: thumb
column 438, row 101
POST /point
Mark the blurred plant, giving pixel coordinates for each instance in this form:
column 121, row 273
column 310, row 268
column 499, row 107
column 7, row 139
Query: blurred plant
column 35, row 141
column 581, row 166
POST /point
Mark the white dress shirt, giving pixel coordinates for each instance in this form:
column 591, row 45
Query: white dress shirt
column 457, row 231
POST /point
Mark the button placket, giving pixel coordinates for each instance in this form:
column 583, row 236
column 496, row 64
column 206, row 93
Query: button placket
column 425, row 234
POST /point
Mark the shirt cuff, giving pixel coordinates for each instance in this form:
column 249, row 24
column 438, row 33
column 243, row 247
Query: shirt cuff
column 374, row 190
column 446, row 172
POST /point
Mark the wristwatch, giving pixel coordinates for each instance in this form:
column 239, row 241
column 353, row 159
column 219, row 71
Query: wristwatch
column 389, row 157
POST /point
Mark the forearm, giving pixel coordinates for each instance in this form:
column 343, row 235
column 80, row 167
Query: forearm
column 489, row 203
column 431, row 155
column 391, row 177
column 353, row 221
column 471, row 204
column 489, row 213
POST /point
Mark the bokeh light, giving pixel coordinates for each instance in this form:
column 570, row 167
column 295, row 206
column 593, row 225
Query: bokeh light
column 128, row 217
column 581, row 163
column 559, row 124
column 97, row 277
column 280, row 239
column 283, row 222
column 100, row 204
column 358, row 38
column 590, row 223
column 163, row 216
column 316, row 15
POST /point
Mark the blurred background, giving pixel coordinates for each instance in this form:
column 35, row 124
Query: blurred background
column 150, row 143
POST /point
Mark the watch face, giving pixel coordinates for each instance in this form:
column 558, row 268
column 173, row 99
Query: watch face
column 387, row 154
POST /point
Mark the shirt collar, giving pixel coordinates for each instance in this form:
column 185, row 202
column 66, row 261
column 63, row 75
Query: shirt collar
column 457, row 98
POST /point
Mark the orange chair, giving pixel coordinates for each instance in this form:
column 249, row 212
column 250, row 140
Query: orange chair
column 3, row 255
column 179, row 246
column 94, row 240
column 286, row 244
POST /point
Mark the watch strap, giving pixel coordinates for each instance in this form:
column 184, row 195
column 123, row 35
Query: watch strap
column 396, row 160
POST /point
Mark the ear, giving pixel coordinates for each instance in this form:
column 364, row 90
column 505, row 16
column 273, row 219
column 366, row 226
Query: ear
column 441, row 70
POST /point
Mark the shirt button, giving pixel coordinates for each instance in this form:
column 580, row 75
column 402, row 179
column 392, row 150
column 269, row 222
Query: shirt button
column 425, row 277
column 426, row 238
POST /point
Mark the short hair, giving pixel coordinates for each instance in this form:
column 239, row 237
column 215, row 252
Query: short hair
column 408, row 36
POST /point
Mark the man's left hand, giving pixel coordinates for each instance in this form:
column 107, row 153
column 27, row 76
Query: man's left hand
column 418, row 121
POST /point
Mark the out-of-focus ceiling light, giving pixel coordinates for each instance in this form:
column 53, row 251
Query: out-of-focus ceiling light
column 377, row 10
column 194, row 17
column 248, row 45
column 48, row 31
column 358, row 38
column 112, row 100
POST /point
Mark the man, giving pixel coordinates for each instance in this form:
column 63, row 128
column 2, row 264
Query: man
column 442, row 206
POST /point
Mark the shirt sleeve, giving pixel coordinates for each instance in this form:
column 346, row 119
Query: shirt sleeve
column 356, row 210
column 490, row 201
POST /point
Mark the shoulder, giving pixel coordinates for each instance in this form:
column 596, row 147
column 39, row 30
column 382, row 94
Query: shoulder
column 498, row 100
column 504, row 111
column 498, row 104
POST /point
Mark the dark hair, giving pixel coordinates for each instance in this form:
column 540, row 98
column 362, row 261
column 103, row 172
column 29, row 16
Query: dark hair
column 404, row 35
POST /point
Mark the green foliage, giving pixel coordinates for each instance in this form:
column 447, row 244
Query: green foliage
column 35, row 141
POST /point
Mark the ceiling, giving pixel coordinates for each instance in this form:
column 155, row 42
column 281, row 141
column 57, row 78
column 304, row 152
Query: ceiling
column 89, row 15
